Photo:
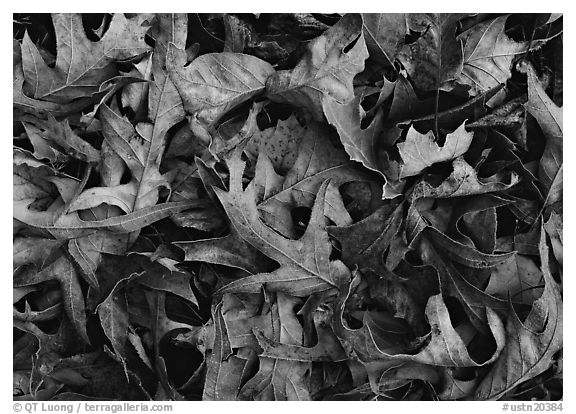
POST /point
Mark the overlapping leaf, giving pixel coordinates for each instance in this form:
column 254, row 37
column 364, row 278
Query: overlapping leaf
column 361, row 206
column 420, row 151
column 325, row 69
column 81, row 65
column 530, row 343
column 215, row 83
column 305, row 260
column 488, row 55
column 434, row 61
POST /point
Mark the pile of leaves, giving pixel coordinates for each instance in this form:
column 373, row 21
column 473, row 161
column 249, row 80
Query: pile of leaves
column 287, row 206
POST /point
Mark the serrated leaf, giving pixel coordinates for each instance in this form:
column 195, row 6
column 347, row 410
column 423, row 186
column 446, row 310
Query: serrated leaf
column 30, row 185
column 465, row 255
column 87, row 251
column 177, row 283
column 419, row 151
column 473, row 299
column 327, row 348
column 279, row 379
column 325, row 68
column 230, row 250
column 456, row 388
column 304, row 236
column 42, row 149
column 554, row 228
column 168, row 28
column 405, row 103
column 61, row 135
column 481, row 229
column 26, row 104
column 35, row 250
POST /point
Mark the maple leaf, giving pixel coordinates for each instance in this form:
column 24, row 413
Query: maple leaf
column 488, row 55
column 420, row 151
column 385, row 34
column 434, row 60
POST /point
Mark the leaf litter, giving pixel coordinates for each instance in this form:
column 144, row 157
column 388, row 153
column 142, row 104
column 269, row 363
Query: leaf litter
column 288, row 207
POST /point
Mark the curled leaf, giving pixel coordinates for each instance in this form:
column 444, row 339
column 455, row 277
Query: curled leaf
column 325, row 69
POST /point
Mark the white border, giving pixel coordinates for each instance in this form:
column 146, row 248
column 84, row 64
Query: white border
column 294, row 6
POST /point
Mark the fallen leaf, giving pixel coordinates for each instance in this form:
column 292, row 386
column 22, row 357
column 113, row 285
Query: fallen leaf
column 420, row 151
column 445, row 347
column 360, row 143
column 463, row 181
column 434, row 60
column 530, row 343
column 550, row 119
column 488, row 55
column 215, row 83
column 305, row 260
column 364, row 244
column 80, row 63
column 225, row 372
column 325, row 69
column 318, row 159
column 62, row 271
column 289, row 206
column 385, row 34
